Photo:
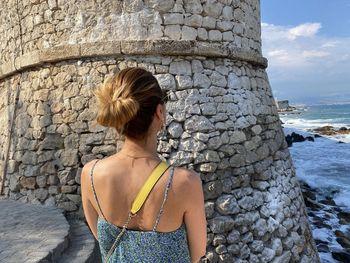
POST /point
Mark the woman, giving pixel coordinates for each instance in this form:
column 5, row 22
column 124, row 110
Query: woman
column 170, row 226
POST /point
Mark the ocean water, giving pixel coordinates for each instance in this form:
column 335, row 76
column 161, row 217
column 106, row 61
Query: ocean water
column 313, row 116
column 323, row 164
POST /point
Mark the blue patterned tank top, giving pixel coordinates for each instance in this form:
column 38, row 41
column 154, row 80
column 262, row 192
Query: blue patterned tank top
column 143, row 246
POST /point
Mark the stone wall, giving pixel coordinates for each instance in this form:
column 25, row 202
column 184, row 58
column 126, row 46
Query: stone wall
column 46, row 24
column 222, row 119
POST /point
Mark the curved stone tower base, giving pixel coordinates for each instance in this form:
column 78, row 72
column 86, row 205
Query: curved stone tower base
column 222, row 118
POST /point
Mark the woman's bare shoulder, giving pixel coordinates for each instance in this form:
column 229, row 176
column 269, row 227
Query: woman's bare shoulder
column 85, row 182
column 187, row 178
column 88, row 166
column 188, row 186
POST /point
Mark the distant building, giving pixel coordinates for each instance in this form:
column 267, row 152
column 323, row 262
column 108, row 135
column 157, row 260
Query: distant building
column 283, row 105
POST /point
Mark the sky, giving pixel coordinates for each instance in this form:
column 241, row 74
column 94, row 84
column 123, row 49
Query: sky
column 307, row 44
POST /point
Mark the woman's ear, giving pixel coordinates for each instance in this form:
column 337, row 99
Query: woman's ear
column 160, row 112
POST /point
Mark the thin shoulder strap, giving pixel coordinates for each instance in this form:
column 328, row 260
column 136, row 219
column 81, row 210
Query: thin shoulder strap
column 165, row 198
column 93, row 188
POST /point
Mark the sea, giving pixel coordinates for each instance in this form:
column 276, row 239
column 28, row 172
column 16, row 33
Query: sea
column 324, row 164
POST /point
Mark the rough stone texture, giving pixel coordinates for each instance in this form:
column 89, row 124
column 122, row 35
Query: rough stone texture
column 48, row 236
column 53, row 23
column 31, row 232
column 83, row 247
column 222, row 119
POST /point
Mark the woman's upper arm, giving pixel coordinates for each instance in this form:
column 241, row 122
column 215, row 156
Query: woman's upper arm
column 86, row 194
column 194, row 216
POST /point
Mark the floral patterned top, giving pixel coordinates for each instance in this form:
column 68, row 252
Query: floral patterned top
column 143, row 246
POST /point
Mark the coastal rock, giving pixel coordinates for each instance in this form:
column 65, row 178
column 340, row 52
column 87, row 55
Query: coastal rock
column 295, row 137
column 326, row 130
column 341, row 256
column 344, row 242
column 328, row 201
column 312, row 204
column 308, row 194
column 322, row 247
column 344, row 218
column 330, row 212
column 319, row 223
column 330, row 130
column 343, row 239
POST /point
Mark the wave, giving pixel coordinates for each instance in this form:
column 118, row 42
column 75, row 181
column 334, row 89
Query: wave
column 328, row 174
column 323, row 171
column 304, row 123
column 306, row 127
column 330, row 104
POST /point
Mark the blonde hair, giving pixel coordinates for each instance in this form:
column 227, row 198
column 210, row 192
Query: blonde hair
column 128, row 100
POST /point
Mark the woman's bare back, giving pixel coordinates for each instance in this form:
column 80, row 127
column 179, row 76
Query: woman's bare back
column 117, row 181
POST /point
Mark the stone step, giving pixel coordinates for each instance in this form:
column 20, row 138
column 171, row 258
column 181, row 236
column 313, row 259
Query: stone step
column 83, row 248
column 32, row 233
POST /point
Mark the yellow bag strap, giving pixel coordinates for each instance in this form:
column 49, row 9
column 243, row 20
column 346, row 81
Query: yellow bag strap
column 148, row 186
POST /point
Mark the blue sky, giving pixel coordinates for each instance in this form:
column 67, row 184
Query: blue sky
column 307, row 44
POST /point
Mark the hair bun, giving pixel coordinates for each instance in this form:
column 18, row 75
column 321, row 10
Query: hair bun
column 122, row 110
column 114, row 112
column 128, row 100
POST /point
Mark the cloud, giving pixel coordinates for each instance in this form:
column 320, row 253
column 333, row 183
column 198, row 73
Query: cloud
column 288, row 46
column 278, row 53
column 295, row 52
column 302, row 59
column 329, row 44
column 304, row 30
column 314, row 54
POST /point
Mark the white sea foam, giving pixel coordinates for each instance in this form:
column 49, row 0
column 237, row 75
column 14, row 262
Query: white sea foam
column 303, row 125
column 324, row 164
column 316, row 123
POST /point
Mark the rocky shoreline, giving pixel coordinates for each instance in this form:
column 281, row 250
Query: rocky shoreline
column 324, row 214
column 330, row 130
column 327, row 130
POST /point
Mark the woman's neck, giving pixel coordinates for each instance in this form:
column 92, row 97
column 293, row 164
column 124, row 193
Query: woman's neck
column 140, row 148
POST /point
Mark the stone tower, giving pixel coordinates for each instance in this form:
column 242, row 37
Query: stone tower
column 222, row 119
